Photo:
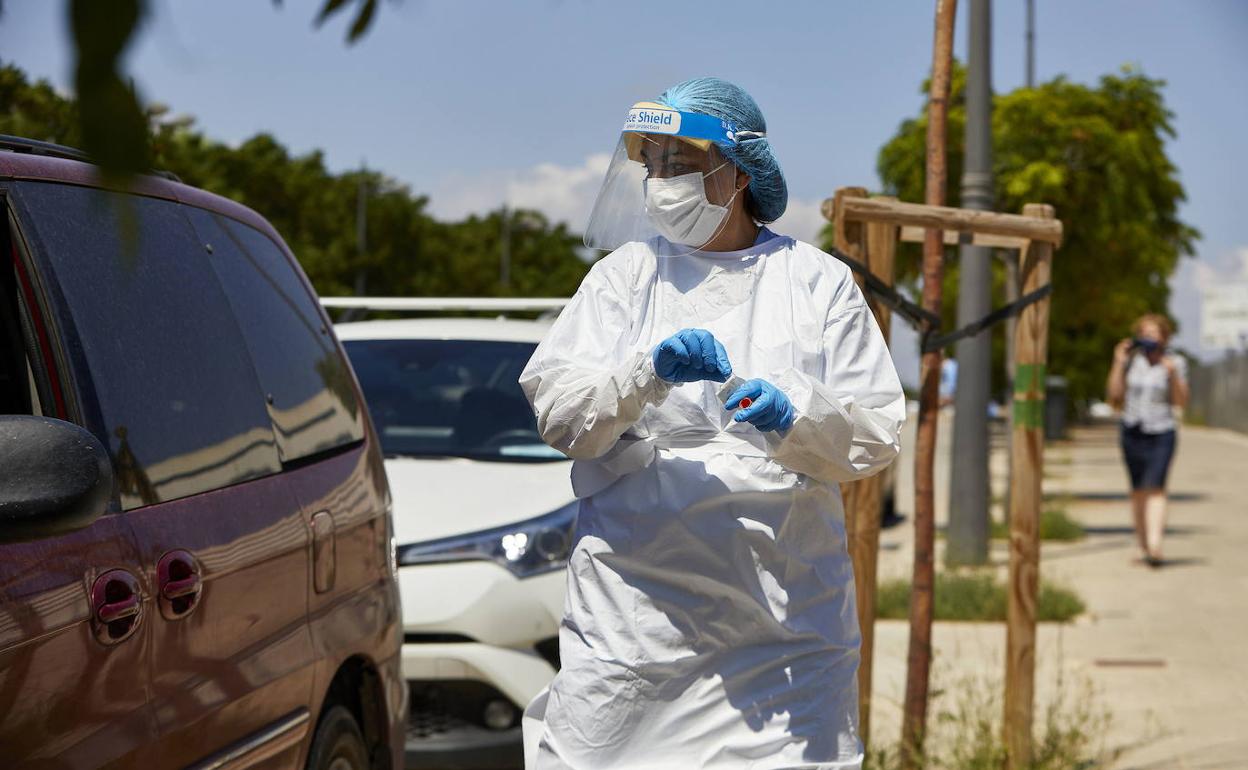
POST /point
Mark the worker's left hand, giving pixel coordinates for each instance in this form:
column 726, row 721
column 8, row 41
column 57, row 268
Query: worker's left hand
column 770, row 410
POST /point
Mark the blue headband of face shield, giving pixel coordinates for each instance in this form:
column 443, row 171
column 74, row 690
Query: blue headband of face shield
column 691, row 125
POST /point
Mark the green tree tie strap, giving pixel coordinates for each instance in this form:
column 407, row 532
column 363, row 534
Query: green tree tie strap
column 1029, row 378
column 1028, row 412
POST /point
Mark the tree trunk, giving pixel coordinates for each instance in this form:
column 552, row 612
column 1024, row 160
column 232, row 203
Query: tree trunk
column 914, row 724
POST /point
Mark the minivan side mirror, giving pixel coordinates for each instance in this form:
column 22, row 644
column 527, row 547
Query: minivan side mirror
column 55, row 477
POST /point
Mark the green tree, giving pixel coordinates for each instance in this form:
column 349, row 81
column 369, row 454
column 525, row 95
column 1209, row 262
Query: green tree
column 408, row 252
column 1098, row 155
column 110, row 121
column 36, row 111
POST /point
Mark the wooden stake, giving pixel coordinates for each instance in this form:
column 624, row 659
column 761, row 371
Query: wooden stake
column 882, row 247
column 974, row 223
column 869, row 498
column 918, row 669
column 849, row 238
column 912, row 234
column 862, row 498
column 848, row 235
column 1031, row 342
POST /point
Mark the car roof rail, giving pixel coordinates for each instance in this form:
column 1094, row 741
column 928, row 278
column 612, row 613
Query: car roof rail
column 36, row 147
column 448, row 304
column 53, row 150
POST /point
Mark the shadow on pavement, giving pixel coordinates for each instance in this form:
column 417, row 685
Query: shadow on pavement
column 1127, row 530
column 1183, row 561
column 1110, row 497
column 1084, row 548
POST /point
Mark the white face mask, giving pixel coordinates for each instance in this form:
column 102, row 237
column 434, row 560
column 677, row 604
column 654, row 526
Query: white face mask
column 680, row 211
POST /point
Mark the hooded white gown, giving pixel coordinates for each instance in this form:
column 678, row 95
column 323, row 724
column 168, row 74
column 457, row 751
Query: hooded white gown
column 710, row 617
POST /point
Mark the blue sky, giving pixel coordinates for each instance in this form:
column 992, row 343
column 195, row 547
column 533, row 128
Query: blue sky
column 475, row 102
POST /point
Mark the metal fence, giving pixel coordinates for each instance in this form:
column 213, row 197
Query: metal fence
column 1220, row 393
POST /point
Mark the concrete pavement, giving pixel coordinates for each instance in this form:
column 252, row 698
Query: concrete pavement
column 1164, row 651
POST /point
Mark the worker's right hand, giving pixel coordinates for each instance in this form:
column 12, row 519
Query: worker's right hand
column 691, row 355
column 1122, row 351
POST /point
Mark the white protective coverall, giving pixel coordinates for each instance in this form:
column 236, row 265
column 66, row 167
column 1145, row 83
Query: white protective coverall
column 710, row 618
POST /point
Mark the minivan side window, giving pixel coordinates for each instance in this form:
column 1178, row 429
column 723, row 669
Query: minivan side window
column 308, row 387
column 172, row 393
column 15, row 390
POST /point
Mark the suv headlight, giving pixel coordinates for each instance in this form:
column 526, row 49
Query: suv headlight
column 526, row 549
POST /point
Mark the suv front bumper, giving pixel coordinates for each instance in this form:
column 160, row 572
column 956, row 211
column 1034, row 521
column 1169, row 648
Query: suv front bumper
column 442, row 742
column 518, row 674
column 474, row 622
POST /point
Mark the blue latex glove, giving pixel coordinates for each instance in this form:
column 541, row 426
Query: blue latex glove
column 691, row 355
column 771, row 409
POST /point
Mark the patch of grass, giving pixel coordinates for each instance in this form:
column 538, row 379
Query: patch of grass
column 1058, row 604
column 1055, row 524
column 976, row 596
column 965, row 732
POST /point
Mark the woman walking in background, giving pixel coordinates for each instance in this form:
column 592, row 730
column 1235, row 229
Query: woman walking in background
column 1147, row 382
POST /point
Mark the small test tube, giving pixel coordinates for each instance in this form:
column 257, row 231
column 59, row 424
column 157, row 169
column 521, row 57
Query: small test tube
column 730, row 387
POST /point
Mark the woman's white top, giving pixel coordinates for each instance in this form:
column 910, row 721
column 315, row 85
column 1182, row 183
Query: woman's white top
column 1147, row 402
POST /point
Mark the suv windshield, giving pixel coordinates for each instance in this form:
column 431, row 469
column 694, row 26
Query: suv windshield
column 449, row 398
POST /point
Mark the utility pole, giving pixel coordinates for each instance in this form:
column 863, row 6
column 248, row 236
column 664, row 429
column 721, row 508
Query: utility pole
column 504, row 253
column 1031, row 43
column 1011, row 278
column 361, row 227
column 361, row 246
column 969, row 497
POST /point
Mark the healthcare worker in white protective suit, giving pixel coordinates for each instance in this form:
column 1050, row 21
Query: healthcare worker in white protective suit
column 710, row 617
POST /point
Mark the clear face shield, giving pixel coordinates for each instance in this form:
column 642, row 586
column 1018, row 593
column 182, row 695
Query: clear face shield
column 667, row 181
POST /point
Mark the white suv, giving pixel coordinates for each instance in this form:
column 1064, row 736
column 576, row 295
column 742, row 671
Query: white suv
column 484, row 516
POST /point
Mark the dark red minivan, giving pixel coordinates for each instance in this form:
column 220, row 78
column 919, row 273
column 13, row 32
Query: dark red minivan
column 196, row 559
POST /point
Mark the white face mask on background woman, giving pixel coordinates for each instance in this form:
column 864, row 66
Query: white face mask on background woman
column 679, row 208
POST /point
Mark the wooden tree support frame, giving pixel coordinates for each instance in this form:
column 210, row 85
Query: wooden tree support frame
column 868, row 229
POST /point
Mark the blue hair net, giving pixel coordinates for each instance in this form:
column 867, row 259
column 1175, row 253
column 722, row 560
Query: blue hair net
column 726, row 101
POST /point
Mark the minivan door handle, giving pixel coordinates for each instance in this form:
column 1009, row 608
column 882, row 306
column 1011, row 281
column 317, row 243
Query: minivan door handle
column 176, row 589
column 178, row 576
column 116, row 606
column 324, row 558
column 112, row 612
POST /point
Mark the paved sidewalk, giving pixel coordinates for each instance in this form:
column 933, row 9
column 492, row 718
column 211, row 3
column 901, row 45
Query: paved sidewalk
column 1166, row 651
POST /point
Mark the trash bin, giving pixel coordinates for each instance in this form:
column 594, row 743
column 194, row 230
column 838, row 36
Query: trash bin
column 1055, row 395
